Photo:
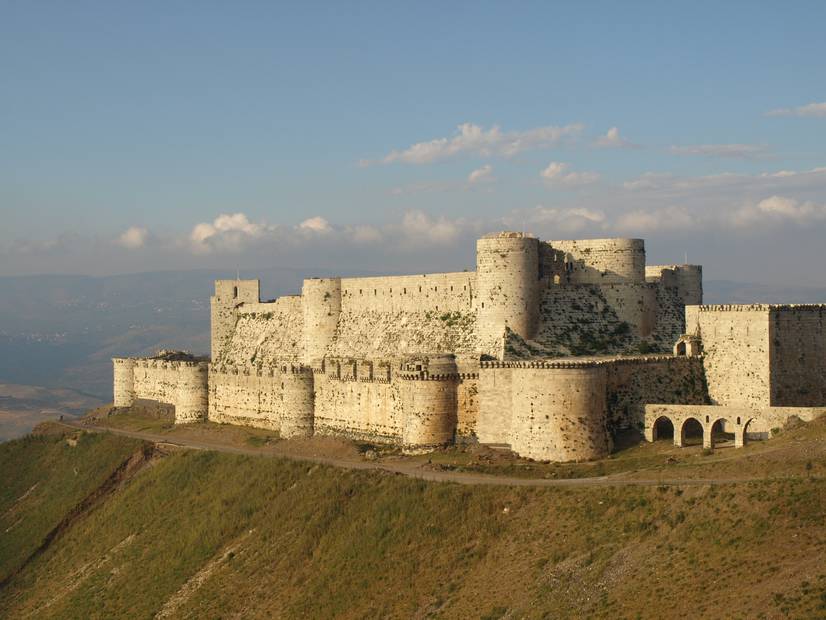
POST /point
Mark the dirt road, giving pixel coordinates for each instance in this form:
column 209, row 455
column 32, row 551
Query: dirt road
column 411, row 469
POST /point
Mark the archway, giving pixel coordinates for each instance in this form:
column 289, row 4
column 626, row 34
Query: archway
column 749, row 434
column 663, row 428
column 680, row 350
column 691, row 432
column 722, row 433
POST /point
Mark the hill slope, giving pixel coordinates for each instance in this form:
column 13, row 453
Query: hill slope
column 202, row 534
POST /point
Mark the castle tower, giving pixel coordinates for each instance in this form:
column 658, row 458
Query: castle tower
column 124, row 381
column 191, row 401
column 298, row 413
column 430, row 403
column 229, row 294
column 559, row 413
column 321, row 300
column 507, row 272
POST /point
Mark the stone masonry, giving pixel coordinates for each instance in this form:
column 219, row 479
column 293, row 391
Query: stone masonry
column 550, row 348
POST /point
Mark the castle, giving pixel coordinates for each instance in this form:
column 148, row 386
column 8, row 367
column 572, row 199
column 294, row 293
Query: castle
column 549, row 347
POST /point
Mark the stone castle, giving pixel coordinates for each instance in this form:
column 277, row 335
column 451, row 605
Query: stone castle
column 549, row 347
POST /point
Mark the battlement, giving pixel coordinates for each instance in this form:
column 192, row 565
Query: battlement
column 579, row 363
column 760, row 307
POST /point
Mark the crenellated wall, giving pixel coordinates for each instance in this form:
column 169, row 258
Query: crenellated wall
column 281, row 398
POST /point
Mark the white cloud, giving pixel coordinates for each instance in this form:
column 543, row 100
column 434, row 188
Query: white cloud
column 556, row 174
column 316, row 224
column 811, row 110
column 481, row 174
column 418, row 226
column 731, row 151
column 779, row 209
column 613, row 140
column 133, row 238
column 641, row 221
column 473, row 139
column 226, row 232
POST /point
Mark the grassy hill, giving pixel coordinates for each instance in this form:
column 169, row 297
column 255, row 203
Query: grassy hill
column 99, row 526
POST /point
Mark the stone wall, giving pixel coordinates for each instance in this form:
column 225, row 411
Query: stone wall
column 358, row 407
column 265, row 334
column 374, row 334
column 281, row 399
column 798, row 355
column 664, row 379
column 439, row 292
column 736, row 346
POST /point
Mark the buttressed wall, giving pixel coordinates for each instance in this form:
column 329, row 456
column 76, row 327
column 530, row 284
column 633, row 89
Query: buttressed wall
column 398, row 358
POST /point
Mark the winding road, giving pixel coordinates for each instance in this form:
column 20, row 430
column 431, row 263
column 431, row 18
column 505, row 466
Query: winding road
column 414, row 470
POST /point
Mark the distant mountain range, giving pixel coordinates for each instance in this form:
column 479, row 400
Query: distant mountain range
column 60, row 331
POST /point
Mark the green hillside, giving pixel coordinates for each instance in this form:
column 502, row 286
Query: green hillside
column 181, row 533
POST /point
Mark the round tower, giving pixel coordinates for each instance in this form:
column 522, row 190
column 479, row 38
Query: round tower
column 124, row 381
column 321, row 300
column 192, row 399
column 559, row 414
column 430, row 404
column 604, row 261
column 507, row 272
column 298, row 407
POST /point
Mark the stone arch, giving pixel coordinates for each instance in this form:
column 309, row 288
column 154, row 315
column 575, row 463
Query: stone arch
column 680, row 349
column 741, row 437
column 662, row 428
column 691, row 428
column 720, row 430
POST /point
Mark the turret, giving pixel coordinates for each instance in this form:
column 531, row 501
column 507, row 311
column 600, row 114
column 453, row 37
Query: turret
column 321, row 301
column 298, row 411
column 191, row 399
column 429, row 401
column 124, row 381
column 229, row 294
column 507, row 272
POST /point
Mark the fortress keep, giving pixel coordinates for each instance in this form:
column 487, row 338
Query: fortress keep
column 549, row 347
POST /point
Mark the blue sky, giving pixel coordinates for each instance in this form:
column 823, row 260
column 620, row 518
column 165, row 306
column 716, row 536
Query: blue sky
column 125, row 126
